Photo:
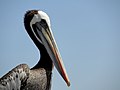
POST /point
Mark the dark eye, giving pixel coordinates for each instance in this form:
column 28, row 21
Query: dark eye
column 44, row 23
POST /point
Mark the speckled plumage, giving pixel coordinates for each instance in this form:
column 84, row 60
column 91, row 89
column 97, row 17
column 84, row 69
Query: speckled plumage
column 14, row 79
column 22, row 78
column 36, row 79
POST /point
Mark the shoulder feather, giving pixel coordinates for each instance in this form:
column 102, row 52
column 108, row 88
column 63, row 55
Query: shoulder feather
column 15, row 78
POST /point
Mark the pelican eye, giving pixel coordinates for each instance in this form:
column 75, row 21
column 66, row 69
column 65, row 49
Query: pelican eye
column 44, row 23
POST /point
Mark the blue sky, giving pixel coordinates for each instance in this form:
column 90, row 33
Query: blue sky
column 87, row 33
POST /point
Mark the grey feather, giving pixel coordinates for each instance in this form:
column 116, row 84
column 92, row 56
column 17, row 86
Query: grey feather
column 22, row 78
column 15, row 78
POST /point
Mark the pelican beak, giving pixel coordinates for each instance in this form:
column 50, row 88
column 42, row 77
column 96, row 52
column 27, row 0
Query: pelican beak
column 49, row 43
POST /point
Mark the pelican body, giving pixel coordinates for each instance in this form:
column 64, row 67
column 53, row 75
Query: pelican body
column 37, row 25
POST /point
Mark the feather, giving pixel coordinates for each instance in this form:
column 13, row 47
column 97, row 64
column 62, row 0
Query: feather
column 15, row 78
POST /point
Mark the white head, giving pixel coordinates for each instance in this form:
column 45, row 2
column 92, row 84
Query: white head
column 40, row 15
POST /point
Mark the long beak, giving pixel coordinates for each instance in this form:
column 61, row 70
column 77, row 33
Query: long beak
column 51, row 47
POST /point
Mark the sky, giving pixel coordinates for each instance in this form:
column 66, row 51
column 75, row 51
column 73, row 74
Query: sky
column 87, row 33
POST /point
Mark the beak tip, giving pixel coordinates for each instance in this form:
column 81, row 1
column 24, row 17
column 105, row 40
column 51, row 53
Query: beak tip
column 68, row 83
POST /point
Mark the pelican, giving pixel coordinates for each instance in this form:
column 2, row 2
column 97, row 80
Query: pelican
column 37, row 25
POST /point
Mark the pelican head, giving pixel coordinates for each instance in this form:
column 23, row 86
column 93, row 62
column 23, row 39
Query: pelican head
column 37, row 24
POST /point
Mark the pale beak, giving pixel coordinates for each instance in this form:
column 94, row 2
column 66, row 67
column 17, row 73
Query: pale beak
column 51, row 47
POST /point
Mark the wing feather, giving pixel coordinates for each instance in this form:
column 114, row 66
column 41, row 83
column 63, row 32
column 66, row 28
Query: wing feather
column 15, row 78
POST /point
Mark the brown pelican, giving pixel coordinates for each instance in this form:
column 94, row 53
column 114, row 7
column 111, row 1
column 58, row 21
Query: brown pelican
column 37, row 25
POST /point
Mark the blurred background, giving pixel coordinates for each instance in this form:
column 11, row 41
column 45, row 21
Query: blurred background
column 87, row 33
